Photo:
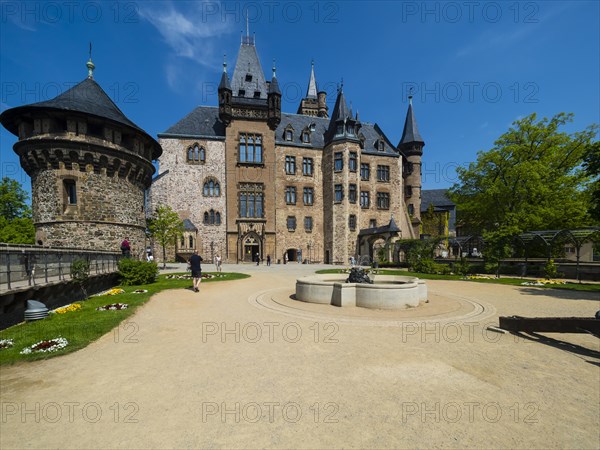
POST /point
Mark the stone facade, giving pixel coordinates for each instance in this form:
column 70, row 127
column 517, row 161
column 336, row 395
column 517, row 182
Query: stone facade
column 182, row 188
column 284, row 193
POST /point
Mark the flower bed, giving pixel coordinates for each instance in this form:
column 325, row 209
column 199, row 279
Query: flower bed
column 6, row 343
column 543, row 282
column 113, row 307
column 47, row 346
column 478, row 277
column 69, row 308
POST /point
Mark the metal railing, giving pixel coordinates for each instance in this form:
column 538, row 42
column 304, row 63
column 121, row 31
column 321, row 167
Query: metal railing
column 31, row 265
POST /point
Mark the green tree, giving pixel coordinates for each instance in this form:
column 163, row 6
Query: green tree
column 531, row 180
column 165, row 227
column 13, row 200
column 592, row 168
column 16, row 226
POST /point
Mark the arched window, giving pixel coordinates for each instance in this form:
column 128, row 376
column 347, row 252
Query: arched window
column 196, row 154
column 211, row 188
column 218, row 219
column 182, row 242
column 212, row 216
column 206, row 218
column 191, row 242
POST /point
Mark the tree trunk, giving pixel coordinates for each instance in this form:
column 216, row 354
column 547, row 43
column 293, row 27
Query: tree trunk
column 164, row 257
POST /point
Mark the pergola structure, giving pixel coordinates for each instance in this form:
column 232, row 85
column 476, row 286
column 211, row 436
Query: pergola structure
column 548, row 238
column 465, row 242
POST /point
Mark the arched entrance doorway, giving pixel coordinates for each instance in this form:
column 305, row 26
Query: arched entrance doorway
column 251, row 247
column 292, row 254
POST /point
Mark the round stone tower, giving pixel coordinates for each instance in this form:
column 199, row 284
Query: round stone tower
column 89, row 167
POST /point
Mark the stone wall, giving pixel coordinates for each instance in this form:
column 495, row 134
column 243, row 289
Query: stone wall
column 182, row 189
column 107, row 210
column 309, row 242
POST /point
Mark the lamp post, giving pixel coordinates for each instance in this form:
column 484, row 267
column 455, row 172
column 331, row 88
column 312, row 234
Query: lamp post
column 309, row 254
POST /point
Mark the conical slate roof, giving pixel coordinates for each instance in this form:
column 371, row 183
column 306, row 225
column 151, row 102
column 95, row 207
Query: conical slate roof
column 86, row 97
column 411, row 132
column 340, row 110
column 274, row 86
column 225, row 84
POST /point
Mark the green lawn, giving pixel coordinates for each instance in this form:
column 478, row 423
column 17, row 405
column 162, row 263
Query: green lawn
column 86, row 325
column 512, row 281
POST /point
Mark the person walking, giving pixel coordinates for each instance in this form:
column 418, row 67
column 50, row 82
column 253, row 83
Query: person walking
column 196, row 268
column 268, row 260
column 218, row 262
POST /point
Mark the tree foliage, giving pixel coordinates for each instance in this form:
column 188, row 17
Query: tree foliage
column 592, row 168
column 16, row 226
column 531, row 180
column 165, row 227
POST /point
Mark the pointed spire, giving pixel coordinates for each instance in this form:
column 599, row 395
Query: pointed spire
column 410, row 133
column 312, row 83
column 274, row 85
column 225, row 84
column 90, row 65
column 357, row 119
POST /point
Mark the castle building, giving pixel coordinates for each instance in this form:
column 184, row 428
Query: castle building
column 250, row 181
column 89, row 165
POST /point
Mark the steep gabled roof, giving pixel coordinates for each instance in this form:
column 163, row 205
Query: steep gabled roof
column 248, row 64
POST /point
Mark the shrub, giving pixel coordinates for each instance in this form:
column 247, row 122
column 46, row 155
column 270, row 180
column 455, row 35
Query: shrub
column 461, row 268
column 137, row 272
column 80, row 272
column 428, row 265
column 551, row 270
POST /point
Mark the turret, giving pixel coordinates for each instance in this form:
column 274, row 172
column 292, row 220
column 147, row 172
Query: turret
column 225, row 94
column 342, row 125
column 322, row 110
column 274, row 102
column 411, row 145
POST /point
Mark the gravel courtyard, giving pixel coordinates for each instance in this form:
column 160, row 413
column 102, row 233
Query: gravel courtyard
column 242, row 365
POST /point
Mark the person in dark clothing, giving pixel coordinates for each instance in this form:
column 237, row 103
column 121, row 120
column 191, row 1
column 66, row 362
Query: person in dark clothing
column 125, row 248
column 195, row 261
column 268, row 260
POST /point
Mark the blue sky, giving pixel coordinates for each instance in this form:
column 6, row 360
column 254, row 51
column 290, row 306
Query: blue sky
column 475, row 67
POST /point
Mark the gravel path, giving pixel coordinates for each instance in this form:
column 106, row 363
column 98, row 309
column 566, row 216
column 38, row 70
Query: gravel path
column 213, row 370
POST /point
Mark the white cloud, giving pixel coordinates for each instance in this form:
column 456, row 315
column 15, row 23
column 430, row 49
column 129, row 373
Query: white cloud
column 190, row 33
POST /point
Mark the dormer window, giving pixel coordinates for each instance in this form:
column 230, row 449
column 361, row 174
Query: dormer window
column 248, row 77
column 288, row 135
column 312, row 127
column 380, row 145
column 241, row 93
column 339, row 130
column 306, row 137
column 256, row 94
column 350, row 129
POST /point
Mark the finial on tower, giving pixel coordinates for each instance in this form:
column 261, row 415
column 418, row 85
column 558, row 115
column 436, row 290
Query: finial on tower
column 225, row 62
column 274, row 69
column 90, row 65
column 410, row 96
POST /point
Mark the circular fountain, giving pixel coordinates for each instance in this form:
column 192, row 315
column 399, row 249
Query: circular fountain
column 385, row 292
